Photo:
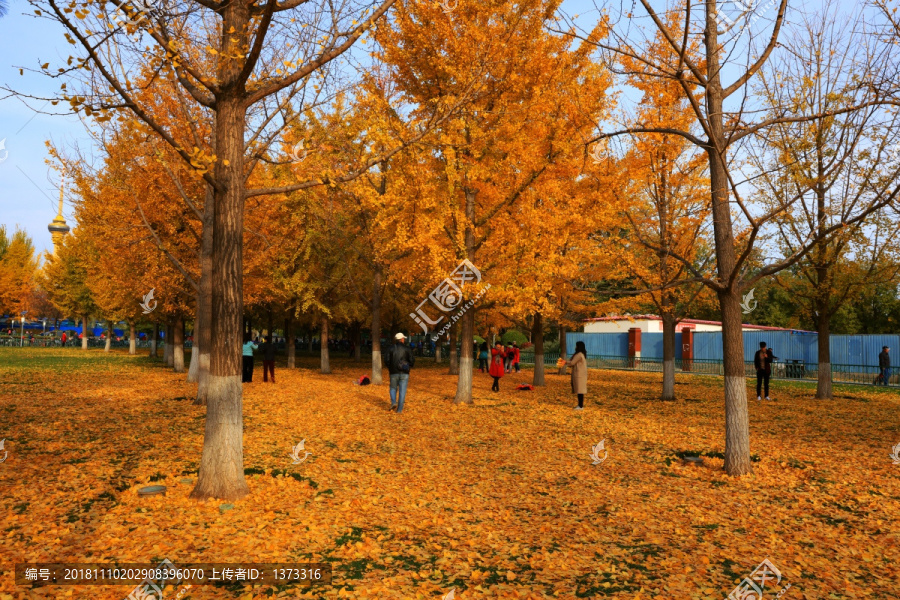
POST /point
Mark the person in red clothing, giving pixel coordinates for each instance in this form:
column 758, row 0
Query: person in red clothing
column 64, row 338
column 496, row 370
column 516, row 356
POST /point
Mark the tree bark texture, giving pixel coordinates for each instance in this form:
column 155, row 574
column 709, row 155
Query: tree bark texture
column 537, row 335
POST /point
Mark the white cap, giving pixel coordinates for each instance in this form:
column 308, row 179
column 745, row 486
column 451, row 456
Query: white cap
column 399, row 336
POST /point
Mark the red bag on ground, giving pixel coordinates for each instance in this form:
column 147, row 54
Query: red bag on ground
column 364, row 380
column 525, row 387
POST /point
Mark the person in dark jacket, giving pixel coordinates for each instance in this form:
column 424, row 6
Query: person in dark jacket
column 884, row 363
column 763, row 360
column 268, row 349
column 399, row 360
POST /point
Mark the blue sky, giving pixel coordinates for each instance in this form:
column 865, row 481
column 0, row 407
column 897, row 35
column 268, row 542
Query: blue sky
column 28, row 186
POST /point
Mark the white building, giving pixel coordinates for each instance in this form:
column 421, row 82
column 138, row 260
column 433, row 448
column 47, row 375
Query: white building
column 653, row 324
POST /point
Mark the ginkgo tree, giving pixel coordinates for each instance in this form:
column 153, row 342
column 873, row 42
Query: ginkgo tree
column 662, row 200
column 242, row 61
column 525, row 119
column 725, row 114
column 833, row 167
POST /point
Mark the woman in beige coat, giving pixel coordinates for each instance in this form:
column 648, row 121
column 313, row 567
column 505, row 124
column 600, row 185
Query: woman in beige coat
column 579, row 373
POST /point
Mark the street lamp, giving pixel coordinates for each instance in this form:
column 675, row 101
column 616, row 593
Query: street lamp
column 22, row 340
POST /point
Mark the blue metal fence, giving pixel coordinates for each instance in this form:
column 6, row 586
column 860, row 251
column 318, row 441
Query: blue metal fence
column 787, row 346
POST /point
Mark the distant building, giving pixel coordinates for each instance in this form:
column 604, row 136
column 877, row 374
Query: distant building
column 653, row 324
column 58, row 227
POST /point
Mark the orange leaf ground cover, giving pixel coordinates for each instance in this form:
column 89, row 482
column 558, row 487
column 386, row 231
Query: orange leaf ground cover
column 496, row 500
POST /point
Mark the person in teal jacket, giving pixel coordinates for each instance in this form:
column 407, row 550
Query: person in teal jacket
column 249, row 347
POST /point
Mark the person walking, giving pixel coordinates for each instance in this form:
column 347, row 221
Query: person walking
column 498, row 354
column 268, row 359
column 249, row 347
column 483, row 358
column 400, row 361
column 578, row 362
column 516, row 356
column 884, row 363
column 763, row 360
column 509, row 357
column 64, row 338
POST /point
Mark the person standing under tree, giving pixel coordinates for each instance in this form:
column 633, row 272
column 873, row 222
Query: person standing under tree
column 884, row 363
column 763, row 360
column 249, row 347
column 268, row 359
column 516, row 356
column 578, row 362
column 399, row 360
column 483, row 358
column 497, row 368
column 509, row 357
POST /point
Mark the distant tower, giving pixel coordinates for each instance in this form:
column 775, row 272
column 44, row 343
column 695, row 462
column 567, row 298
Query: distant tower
column 58, row 228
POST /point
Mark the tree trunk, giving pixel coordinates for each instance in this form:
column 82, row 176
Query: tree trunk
column 178, row 346
column 537, row 334
column 109, row 334
column 467, row 358
column 668, row 389
column 168, row 353
column 737, row 420
column 289, row 342
column 467, row 323
column 454, row 350
column 357, row 342
column 325, row 366
column 563, row 350
column 193, row 375
column 84, row 333
column 823, row 387
column 221, row 472
column 376, row 329
column 154, row 343
column 132, row 341
column 203, row 324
